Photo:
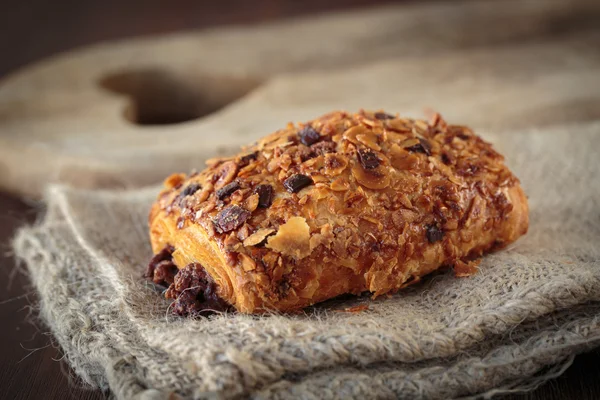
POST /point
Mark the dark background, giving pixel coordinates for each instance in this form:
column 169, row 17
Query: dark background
column 31, row 30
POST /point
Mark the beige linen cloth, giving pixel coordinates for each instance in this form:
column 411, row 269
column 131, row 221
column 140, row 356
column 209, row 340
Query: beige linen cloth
column 516, row 323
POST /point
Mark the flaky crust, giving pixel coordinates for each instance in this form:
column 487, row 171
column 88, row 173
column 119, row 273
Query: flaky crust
column 346, row 203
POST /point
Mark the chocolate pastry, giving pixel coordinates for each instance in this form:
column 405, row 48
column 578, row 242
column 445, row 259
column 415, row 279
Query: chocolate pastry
column 346, row 203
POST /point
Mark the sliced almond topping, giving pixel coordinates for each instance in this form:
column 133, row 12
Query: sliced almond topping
column 421, row 126
column 435, row 119
column 258, row 237
column 463, row 269
column 273, row 165
column 352, row 133
column 314, row 163
column 274, row 140
column 369, row 139
column 252, row 202
column 226, row 173
column 247, row 169
column 374, row 221
column 404, row 200
column 339, row 185
column 285, row 161
column 401, row 159
column 205, row 192
column 270, row 260
column 318, row 178
column 368, row 122
column 335, row 164
column 174, row 181
column 304, row 199
column 243, row 232
column 410, row 142
column 216, row 160
column 457, row 143
column 248, row 263
column 378, row 179
column 399, row 125
column 292, row 238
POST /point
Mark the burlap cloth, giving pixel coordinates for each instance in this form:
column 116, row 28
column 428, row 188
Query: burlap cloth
column 518, row 322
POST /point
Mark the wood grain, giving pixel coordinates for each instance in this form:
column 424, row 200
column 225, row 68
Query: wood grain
column 103, row 116
column 41, row 28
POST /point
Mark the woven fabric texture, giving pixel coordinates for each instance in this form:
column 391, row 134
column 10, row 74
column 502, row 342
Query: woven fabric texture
column 516, row 323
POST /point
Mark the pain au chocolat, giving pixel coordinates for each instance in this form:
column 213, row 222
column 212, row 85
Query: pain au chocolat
column 346, row 203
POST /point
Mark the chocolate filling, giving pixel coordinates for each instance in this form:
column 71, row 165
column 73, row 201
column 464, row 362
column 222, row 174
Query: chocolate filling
column 161, row 269
column 193, row 290
column 195, row 293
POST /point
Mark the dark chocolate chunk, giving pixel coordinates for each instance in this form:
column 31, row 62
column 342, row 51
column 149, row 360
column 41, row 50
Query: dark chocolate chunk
column 245, row 160
column 195, row 293
column 446, row 158
column 296, row 182
column 265, row 195
column 308, row 136
column 422, row 147
column 230, row 218
column 434, row 233
column 180, row 222
column 382, row 115
column 227, row 190
column 190, row 189
column 368, row 159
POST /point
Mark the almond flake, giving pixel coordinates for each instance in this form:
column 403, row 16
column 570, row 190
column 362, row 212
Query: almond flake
column 463, row 269
column 258, row 237
column 174, row 181
column 292, row 238
column 248, row 263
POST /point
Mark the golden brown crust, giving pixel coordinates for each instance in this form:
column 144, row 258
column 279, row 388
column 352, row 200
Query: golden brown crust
column 343, row 204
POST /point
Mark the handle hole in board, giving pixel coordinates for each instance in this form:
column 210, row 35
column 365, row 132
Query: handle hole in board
column 160, row 97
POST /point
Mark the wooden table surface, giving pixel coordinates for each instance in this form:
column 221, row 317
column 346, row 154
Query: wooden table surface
column 30, row 364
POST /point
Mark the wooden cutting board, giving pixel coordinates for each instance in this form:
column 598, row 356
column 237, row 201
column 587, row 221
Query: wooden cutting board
column 129, row 113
